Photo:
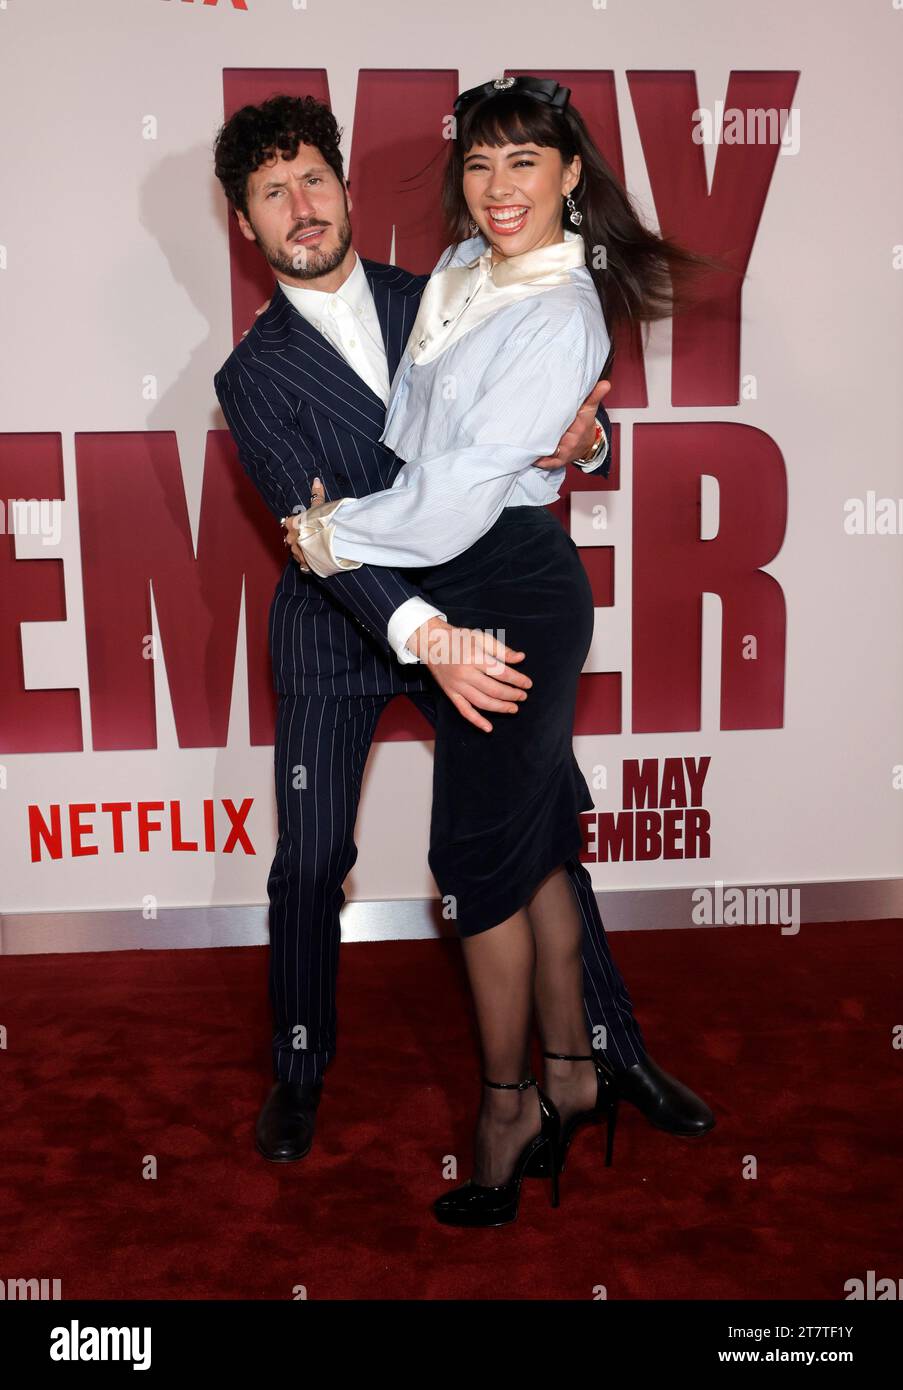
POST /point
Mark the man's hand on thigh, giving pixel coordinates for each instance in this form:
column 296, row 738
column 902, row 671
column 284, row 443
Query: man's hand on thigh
column 470, row 667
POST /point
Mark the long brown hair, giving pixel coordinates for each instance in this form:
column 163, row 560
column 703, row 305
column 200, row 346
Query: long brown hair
column 642, row 276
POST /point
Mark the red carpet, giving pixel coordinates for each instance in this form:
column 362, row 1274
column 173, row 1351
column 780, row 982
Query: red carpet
column 114, row 1057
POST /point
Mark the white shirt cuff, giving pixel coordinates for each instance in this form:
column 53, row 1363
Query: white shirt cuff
column 404, row 621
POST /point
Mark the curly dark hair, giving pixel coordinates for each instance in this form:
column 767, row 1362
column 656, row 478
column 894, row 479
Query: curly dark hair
column 254, row 134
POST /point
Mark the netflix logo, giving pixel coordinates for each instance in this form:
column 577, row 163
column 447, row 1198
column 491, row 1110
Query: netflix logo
column 661, row 816
column 236, row 4
column 82, row 828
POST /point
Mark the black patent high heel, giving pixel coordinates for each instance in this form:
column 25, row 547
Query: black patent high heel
column 473, row 1204
column 605, row 1108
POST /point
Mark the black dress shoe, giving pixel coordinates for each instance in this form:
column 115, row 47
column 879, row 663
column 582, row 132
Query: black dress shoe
column 285, row 1125
column 666, row 1102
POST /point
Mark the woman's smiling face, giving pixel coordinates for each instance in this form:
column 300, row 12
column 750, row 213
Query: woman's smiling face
column 514, row 194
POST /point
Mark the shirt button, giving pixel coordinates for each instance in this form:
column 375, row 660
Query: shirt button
column 352, row 342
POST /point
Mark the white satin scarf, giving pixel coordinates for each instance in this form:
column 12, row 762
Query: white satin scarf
column 457, row 299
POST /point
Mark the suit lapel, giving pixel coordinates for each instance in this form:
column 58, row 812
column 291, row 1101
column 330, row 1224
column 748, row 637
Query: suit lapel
column 299, row 359
column 396, row 294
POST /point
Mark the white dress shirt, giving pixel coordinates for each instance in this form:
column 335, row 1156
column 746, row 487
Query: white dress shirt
column 497, row 364
column 347, row 317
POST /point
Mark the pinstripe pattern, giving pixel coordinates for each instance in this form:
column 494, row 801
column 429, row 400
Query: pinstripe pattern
column 607, row 1002
column 330, row 739
column 320, row 751
column 297, row 410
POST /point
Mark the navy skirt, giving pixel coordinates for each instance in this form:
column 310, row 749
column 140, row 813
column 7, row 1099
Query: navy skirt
column 506, row 803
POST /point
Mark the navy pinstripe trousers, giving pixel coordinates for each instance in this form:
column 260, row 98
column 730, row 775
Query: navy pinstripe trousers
column 321, row 747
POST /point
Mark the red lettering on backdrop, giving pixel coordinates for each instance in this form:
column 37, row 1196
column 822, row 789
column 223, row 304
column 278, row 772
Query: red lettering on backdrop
column 398, row 158
column 117, row 810
column 78, row 830
column 721, row 222
column 46, row 831
column 237, row 833
column 236, row 4
column 175, row 816
column 673, row 568
column 705, row 353
column 135, row 540
column 41, row 833
column 146, row 825
column 31, row 591
column 662, row 816
column 197, row 598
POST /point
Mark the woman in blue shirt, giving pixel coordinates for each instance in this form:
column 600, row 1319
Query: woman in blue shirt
column 514, row 329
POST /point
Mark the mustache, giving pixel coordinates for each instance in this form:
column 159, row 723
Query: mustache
column 306, row 227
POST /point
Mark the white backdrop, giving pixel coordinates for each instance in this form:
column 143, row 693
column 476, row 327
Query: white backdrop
column 115, row 268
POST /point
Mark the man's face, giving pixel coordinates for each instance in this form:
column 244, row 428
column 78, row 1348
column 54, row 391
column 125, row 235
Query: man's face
column 298, row 215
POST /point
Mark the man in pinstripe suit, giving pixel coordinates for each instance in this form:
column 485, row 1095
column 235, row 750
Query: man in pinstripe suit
column 304, row 396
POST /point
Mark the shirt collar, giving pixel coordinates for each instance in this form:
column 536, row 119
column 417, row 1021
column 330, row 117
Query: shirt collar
column 356, row 290
column 533, row 265
column 312, row 303
column 470, row 276
column 476, row 251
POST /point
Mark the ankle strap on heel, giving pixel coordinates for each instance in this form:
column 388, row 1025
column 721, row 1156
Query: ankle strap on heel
column 569, row 1057
column 510, row 1085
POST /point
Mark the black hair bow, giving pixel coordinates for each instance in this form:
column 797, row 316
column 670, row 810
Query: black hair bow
column 544, row 89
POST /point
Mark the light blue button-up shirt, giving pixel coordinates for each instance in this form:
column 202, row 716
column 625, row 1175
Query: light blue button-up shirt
column 471, row 422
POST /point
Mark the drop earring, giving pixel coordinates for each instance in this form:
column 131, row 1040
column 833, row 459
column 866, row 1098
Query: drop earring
column 473, row 227
column 575, row 213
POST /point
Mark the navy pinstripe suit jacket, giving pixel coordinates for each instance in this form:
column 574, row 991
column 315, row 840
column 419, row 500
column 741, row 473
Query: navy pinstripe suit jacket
column 298, row 411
